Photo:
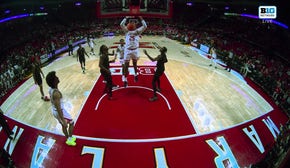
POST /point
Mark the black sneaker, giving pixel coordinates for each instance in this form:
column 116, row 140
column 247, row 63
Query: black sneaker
column 152, row 99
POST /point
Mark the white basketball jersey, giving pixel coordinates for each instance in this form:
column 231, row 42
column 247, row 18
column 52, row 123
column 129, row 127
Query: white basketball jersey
column 132, row 40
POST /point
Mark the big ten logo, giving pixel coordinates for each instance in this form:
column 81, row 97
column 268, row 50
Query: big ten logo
column 267, row 12
column 146, row 70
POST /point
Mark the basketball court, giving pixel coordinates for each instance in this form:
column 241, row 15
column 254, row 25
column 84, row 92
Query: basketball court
column 204, row 117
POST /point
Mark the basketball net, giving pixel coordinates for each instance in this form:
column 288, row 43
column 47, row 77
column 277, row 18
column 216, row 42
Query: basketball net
column 134, row 9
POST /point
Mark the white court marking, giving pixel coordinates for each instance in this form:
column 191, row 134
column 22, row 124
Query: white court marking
column 140, row 87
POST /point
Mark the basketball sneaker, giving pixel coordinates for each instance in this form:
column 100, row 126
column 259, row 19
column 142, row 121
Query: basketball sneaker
column 70, row 142
column 152, row 99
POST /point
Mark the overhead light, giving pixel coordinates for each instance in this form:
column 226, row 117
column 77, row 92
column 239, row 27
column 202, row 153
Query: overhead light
column 78, row 4
column 7, row 11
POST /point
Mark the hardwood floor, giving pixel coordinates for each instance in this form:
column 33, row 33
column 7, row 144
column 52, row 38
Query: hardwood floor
column 214, row 98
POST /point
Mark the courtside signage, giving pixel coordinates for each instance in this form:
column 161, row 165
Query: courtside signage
column 267, row 12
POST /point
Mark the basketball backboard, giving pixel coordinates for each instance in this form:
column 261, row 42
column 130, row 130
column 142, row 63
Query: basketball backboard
column 147, row 8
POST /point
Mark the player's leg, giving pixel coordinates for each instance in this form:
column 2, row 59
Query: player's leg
column 123, row 69
column 154, row 81
column 103, row 73
column 69, row 128
column 41, row 91
column 5, row 127
column 92, row 50
column 158, row 85
column 70, row 131
column 64, row 129
column 84, row 65
column 135, row 58
column 135, row 70
column 158, row 74
column 109, row 86
column 126, row 72
column 39, row 83
column 128, row 55
column 6, row 159
column 82, row 62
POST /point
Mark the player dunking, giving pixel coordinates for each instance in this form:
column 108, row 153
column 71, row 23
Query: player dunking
column 132, row 37
column 161, row 60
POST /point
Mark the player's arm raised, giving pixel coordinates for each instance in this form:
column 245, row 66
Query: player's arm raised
column 123, row 24
column 143, row 27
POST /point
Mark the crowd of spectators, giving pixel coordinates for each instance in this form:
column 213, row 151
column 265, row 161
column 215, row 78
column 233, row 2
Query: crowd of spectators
column 279, row 151
column 259, row 54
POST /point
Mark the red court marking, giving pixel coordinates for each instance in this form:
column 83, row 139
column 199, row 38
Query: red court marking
column 131, row 115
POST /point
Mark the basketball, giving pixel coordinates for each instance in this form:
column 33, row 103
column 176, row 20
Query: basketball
column 131, row 26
